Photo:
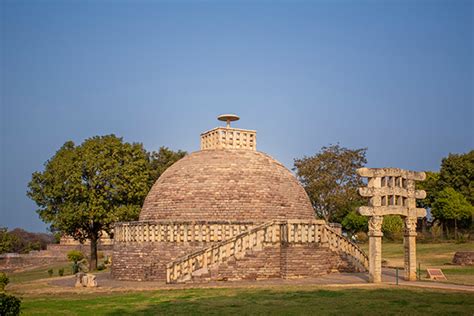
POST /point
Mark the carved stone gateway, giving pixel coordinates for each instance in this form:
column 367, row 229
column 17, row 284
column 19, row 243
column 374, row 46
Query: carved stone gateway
column 391, row 192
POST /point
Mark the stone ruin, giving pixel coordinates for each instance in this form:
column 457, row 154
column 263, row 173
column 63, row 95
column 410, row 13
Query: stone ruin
column 85, row 280
column 229, row 212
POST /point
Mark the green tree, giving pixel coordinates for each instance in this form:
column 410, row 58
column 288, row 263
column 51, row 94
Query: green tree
column 432, row 186
column 392, row 226
column 160, row 161
column 84, row 189
column 457, row 172
column 354, row 223
column 7, row 240
column 330, row 179
column 451, row 205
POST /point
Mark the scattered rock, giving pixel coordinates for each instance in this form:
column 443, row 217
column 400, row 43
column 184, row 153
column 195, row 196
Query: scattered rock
column 85, row 280
column 464, row 258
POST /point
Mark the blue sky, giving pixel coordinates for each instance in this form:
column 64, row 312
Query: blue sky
column 393, row 76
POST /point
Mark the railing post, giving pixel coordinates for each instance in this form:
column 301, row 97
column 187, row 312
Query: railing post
column 284, row 232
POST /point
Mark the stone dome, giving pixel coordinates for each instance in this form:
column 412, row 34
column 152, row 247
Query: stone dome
column 226, row 185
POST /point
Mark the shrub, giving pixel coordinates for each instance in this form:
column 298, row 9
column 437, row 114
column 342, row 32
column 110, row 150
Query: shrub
column 101, row 267
column 354, row 222
column 75, row 267
column 4, row 280
column 50, row 272
column 436, row 231
column 75, row 256
column 392, row 227
column 9, row 305
column 61, row 272
column 361, row 237
column 462, row 238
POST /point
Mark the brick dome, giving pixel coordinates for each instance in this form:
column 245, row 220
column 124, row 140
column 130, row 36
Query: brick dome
column 229, row 185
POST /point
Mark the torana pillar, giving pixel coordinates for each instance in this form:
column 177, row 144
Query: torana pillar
column 375, row 249
column 409, row 244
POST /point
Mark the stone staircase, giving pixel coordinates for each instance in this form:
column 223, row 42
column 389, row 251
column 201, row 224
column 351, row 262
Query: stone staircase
column 199, row 265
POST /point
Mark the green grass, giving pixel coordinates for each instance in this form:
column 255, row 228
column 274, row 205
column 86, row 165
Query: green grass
column 257, row 301
column 431, row 255
column 39, row 273
column 42, row 273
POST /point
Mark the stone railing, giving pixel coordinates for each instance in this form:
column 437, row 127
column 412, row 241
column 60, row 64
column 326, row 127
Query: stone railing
column 319, row 232
column 339, row 243
column 178, row 231
column 182, row 269
column 291, row 232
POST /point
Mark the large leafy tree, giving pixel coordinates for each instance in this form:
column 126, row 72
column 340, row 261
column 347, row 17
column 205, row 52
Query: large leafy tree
column 457, row 172
column 451, row 205
column 432, row 186
column 84, row 189
column 330, row 179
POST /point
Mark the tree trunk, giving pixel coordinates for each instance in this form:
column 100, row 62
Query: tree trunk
column 93, row 259
column 455, row 229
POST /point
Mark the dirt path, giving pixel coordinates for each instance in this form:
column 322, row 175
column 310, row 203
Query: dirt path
column 64, row 285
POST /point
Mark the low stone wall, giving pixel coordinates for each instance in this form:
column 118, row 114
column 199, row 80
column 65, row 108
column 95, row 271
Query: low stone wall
column 464, row 258
column 16, row 262
column 59, row 250
column 54, row 253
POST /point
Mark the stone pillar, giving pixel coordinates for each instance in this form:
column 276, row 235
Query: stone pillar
column 409, row 244
column 375, row 249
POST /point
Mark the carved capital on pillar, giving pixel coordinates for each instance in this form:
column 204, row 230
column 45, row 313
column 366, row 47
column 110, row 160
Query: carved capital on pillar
column 375, row 226
column 410, row 226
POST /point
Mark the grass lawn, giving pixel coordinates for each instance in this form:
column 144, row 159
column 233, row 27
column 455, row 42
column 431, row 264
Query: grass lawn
column 39, row 273
column 386, row 301
column 434, row 255
column 42, row 273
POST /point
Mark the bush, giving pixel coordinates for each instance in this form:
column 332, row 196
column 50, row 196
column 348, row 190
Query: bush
column 4, row 280
column 361, row 237
column 436, row 231
column 354, row 222
column 75, row 267
column 392, row 227
column 75, row 256
column 61, row 272
column 462, row 238
column 9, row 305
column 50, row 272
column 101, row 267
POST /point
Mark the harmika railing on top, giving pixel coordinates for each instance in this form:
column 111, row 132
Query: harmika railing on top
column 317, row 231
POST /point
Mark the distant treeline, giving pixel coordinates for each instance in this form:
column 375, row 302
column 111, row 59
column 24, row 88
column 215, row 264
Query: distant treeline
column 21, row 241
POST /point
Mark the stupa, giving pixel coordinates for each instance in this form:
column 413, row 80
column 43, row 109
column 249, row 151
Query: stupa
column 229, row 212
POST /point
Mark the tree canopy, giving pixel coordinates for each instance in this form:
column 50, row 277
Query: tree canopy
column 448, row 191
column 160, row 161
column 330, row 179
column 451, row 205
column 84, row 189
column 457, row 172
